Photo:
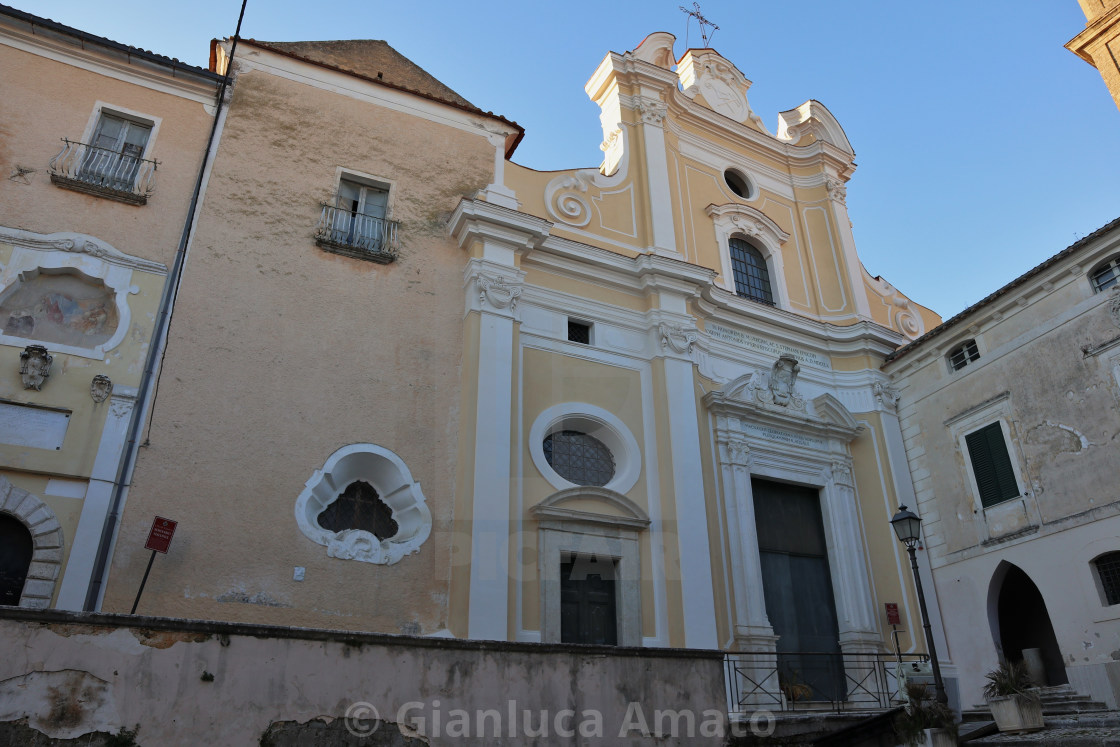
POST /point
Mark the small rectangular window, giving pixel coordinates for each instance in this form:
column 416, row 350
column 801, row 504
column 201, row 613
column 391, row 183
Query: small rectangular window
column 991, row 465
column 1108, row 570
column 579, row 332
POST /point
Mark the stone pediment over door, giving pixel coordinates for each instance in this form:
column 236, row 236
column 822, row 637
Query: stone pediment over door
column 771, row 403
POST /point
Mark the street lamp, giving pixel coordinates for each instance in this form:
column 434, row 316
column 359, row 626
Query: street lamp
column 907, row 525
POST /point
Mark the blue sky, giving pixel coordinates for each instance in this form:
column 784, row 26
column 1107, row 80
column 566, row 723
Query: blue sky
column 983, row 145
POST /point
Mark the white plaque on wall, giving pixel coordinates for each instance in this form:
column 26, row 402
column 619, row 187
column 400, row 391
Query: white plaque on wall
column 24, row 425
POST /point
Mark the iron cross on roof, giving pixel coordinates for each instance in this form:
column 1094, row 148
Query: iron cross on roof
column 704, row 22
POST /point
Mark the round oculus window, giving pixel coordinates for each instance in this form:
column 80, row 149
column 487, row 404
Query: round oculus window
column 738, row 183
column 579, row 458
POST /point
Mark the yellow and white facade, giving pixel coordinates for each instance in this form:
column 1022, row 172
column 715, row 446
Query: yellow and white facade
column 104, row 143
column 522, row 307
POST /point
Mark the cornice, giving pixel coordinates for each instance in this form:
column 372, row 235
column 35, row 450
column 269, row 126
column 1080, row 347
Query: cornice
column 78, row 243
column 725, row 307
column 1092, row 32
column 477, row 219
column 113, row 62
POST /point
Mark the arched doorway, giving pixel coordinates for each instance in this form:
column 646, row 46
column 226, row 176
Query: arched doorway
column 1020, row 621
column 16, row 549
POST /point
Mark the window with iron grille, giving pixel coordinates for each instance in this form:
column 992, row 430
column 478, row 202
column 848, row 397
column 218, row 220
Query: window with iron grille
column 1108, row 571
column 579, row 458
column 991, row 465
column 359, row 507
column 1106, row 276
column 963, row 354
column 579, row 332
column 748, row 267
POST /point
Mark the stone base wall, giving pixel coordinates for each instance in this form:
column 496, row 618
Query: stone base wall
column 69, row 675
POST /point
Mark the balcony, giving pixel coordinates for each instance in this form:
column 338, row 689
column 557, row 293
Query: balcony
column 103, row 172
column 355, row 235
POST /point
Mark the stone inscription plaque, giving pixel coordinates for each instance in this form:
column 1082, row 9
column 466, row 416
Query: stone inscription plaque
column 21, row 425
column 774, row 434
column 769, row 347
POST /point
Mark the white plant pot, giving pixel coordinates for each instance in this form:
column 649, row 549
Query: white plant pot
column 1016, row 714
column 939, row 738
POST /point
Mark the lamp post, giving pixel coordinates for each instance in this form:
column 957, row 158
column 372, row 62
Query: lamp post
column 907, row 525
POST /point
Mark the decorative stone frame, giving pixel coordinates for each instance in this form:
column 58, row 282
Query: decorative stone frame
column 596, row 422
column 733, row 221
column 76, row 253
column 1014, row 514
column 568, row 532
column 47, row 539
column 807, row 447
column 392, row 480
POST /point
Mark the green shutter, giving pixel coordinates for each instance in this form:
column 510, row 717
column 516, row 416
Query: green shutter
column 991, row 465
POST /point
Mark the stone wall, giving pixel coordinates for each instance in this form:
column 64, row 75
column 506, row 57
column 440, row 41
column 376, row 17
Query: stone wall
column 70, row 675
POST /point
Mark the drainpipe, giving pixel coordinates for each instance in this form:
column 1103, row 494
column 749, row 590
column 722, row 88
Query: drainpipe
column 155, row 352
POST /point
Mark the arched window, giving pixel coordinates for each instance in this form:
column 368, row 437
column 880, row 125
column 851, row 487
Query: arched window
column 16, row 549
column 1108, row 574
column 963, row 354
column 752, row 279
column 1106, row 276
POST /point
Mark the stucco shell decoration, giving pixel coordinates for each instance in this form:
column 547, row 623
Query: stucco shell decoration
column 392, row 480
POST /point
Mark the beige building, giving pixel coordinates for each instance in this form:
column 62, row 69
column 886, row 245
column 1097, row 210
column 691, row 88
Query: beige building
column 414, row 387
column 102, row 146
column 1009, row 416
column 1099, row 43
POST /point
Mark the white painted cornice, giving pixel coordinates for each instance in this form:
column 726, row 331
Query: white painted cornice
column 750, row 220
column 724, row 307
column 252, row 57
column 112, row 63
column 79, row 243
column 480, row 220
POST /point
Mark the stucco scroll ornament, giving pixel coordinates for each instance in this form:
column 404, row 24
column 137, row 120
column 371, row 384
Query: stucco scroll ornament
column 358, row 544
column 653, row 111
column 100, row 388
column 837, row 190
column 565, row 200
column 497, row 292
column 677, row 338
column 35, row 366
column 750, row 226
column 842, row 474
column 1114, row 305
column 886, row 396
column 738, row 453
column 903, row 315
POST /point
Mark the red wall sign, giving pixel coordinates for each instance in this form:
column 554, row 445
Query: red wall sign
column 892, row 614
column 159, row 539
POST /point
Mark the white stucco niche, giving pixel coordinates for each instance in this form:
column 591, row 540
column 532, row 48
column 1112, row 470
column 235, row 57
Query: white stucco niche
column 390, row 477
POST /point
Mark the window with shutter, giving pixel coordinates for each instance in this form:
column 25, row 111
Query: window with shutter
column 991, row 465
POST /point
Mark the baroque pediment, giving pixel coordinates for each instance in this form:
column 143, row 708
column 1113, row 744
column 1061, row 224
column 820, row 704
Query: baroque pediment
column 773, row 399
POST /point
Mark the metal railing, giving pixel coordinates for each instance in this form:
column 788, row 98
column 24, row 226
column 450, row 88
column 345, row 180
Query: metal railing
column 89, row 168
column 357, row 235
column 816, row 681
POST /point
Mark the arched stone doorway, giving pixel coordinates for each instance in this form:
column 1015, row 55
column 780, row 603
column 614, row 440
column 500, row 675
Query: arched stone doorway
column 16, row 549
column 1019, row 620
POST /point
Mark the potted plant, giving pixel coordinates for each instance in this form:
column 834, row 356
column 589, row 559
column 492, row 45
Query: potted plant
column 925, row 722
column 1013, row 700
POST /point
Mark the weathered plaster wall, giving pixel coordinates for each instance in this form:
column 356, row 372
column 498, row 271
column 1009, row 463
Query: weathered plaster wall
column 46, row 101
column 253, row 401
column 208, row 683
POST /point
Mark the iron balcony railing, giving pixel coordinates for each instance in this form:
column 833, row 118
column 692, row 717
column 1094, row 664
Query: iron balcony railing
column 815, row 681
column 89, row 168
column 356, row 235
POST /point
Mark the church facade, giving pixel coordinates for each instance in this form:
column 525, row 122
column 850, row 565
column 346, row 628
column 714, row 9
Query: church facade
column 412, row 386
